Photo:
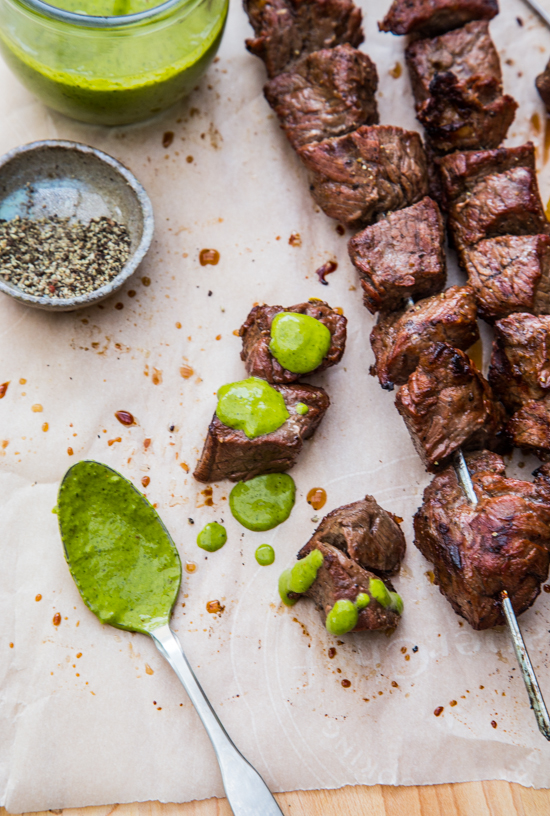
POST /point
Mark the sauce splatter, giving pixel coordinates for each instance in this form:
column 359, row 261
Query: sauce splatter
column 186, row 371
column 45, row 427
column 111, row 442
column 295, row 240
column 38, row 597
column 346, row 683
column 146, row 443
column 157, row 376
column 535, row 122
column 396, row 71
column 125, row 417
column 453, row 703
column 190, row 567
column 189, row 159
column 493, row 724
column 37, row 408
column 317, row 497
column 167, row 138
column 3, row 389
column 56, row 619
column 145, row 481
column 332, row 652
column 326, row 269
column 146, row 281
column 546, row 587
column 438, row 711
column 341, row 230
column 209, row 256
column 214, row 607
column 70, row 451
column 185, row 466
column 119, row 306
column 148, row 669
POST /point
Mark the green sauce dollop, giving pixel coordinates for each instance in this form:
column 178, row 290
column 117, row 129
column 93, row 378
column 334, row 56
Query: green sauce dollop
column 264, row 502
column 300, row 577
column 299, row 342
column 252, row 406
column 265, row 555
column 301, row 408
column 342, row 617
column 122, row 558
column 212, row 537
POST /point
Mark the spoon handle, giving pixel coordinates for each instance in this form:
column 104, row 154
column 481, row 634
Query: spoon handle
column 246, row 791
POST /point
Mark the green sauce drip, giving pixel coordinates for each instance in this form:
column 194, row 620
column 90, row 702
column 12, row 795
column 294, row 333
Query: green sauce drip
column 380, row 592
column 396, row 603
column 212, row 537
column 252, row 406
column 301, row 408
column 299, row 342
column 362, row 600
column 342, row 617
column 300, row 577
column 122, row 558
column 264, row 502
column 265, row 555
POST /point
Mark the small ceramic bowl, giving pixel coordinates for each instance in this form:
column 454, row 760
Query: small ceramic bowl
column 79, row 182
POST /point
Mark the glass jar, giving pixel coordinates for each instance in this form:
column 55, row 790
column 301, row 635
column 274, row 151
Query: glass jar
column 116, row 69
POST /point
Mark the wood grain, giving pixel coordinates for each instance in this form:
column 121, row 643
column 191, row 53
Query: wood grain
column 465, row 799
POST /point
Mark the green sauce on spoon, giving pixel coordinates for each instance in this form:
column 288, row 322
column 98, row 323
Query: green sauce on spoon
column 252, row 406
column 299, row 342
column 121, row 556
column 264, row 502
column 212, row 537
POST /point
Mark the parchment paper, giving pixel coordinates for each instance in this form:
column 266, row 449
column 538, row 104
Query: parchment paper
column 91, row 715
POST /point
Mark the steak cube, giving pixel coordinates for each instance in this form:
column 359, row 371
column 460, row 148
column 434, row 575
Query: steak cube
column 329, row 93
column 510, row 274
column 490, row 193
column 401, row 256
column 256, row 335
column 447, row 404
column 520, row 361
column 373, row 170
column 287, row 30
column 479, row 550
column 341, row 578
column 457, row 84
column 529, row 428
column 430, row 17
column 230, row 454
column 400, row 338
column 366, row 533
column 542, row 83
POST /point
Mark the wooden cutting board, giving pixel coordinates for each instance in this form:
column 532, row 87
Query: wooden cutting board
column 465, row 799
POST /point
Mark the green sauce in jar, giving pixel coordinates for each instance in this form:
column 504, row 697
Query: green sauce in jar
column 105, row 73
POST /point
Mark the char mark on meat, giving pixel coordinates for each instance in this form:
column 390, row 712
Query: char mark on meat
column 457, row 84
column 341, row 578
column 499, row 544
column 288, row 30
column 230, row 454
column 400, row 338
column 510, row 274
column 329, row 93
column 256, row 335
column 446, row 405
column 542, row 83
column 373, row 170
column 367, row 534
column 401, row 256
column 529, row 428
column 428, row 18
column 520, row 360
column 489, row 193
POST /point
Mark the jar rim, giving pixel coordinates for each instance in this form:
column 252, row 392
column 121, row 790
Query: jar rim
column 91, row 21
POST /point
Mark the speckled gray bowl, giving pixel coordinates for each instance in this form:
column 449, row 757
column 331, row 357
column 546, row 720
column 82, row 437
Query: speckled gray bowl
column 72, row 180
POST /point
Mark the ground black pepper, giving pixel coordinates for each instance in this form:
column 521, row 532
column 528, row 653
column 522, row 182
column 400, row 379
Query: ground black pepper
column 58, row 257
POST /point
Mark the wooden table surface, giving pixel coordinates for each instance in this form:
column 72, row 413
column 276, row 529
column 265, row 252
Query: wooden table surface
column 466, row 799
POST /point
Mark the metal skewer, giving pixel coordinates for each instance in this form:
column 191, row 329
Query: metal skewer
column 526, row 667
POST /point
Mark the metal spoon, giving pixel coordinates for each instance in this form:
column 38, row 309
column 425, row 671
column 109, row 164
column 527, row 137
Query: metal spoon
column 128, row 572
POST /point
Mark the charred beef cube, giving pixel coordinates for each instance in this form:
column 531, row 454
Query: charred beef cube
column 446, row 405
column 366, row 533
column 457, row 84
column 499, row 544
column 520, row 361
column 430, row 17
column 287, row 30
column 542, row 83
column 256, row 335
column 401, row 256
column 371, row 171
column 529, row 428
column 490, row 193
column 340, row 578
column 400, row 338
column 510, row 274
column 230, row 454
column 329, row 93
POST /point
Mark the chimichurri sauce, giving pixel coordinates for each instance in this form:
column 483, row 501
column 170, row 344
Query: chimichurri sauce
column 121, row 556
